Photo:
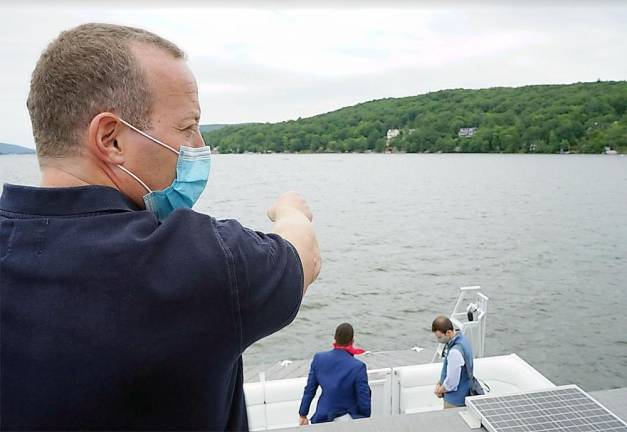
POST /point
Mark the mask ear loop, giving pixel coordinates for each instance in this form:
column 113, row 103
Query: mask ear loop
column 149, row 137
column 144, row 134
column 135, row 177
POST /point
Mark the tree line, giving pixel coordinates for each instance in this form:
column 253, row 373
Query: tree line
column 575, row 118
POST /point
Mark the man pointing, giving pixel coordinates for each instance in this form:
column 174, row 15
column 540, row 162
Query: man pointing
column 122, row 308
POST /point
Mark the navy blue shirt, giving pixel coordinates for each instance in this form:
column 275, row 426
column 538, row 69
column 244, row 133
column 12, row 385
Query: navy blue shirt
column 111, row 320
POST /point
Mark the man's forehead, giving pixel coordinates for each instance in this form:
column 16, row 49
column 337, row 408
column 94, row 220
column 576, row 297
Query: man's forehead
column 170, row 79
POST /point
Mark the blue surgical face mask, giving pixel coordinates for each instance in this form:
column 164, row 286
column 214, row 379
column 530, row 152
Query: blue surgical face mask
column 192, row 171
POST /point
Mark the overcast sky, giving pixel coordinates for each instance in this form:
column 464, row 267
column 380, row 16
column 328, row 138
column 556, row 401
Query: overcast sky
column 273, row 64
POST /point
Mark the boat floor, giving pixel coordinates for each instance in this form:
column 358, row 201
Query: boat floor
column 374, row 360
column 447, row 420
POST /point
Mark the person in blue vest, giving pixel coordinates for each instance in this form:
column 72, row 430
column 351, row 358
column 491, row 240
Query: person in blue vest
column 344, row 382
column 455, row 379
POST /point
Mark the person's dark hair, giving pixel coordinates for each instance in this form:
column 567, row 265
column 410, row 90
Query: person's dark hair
column 344, row 334
column 442, row 324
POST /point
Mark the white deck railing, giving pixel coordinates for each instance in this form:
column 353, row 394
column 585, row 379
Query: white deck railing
column 474, row 303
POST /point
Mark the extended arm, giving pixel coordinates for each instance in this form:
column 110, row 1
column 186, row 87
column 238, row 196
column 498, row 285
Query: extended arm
column 310, row 390
column 292, row 221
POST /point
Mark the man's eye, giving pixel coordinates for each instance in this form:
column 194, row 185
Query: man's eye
column 190, row 129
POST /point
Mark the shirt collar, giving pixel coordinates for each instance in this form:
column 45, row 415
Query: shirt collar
column 449, row 344
column 64, row 201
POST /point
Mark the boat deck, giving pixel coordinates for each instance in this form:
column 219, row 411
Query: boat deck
column 447, row 420
column 374, row 360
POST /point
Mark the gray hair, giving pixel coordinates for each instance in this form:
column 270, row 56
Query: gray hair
column 85, row 71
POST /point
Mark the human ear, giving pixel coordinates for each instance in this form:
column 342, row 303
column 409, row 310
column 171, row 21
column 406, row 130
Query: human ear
column 102, row 136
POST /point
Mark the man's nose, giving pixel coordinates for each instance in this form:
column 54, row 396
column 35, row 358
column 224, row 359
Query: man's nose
column 199, row 141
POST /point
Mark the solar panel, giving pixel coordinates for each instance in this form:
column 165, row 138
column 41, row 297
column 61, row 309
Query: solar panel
column 564, row 408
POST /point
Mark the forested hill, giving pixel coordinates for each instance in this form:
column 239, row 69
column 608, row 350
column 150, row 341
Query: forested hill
column 576, row 118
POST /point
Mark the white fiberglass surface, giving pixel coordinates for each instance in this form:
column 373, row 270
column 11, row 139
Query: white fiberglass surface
column 396, row 391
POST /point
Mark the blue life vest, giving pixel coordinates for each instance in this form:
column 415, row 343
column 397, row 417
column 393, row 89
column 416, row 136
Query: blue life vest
column 458, row 396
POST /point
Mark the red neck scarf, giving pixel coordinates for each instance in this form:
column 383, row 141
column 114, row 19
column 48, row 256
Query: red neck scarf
column 349, row 349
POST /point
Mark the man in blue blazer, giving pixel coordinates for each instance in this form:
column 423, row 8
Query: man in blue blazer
column 344, row 382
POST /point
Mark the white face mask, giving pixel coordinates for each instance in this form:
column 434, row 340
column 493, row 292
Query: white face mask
column 443, row 339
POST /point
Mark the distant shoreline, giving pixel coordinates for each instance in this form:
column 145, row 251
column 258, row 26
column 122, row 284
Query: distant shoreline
column 14, row 149
column 619, row 153
column 585, row 118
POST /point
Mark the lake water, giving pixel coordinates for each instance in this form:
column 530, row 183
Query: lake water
column 545, row 236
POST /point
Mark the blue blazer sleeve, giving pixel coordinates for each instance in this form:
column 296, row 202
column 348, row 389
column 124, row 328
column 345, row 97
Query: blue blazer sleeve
column 310, row 389
column 362, row 389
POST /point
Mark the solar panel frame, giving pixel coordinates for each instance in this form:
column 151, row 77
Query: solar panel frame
column 553, row 409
